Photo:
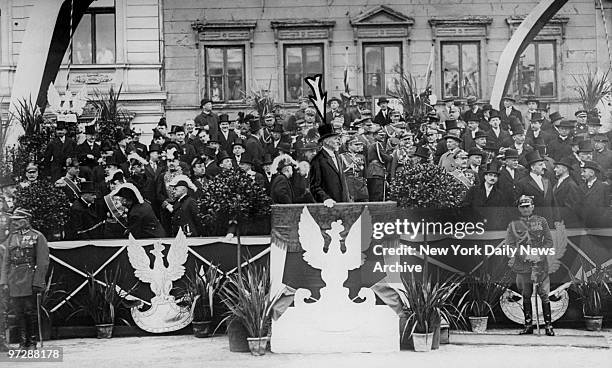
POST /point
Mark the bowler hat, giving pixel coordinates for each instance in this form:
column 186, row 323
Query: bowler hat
column 591, row 165
column 509, row 98
column 494, row 114
column 222, row 156
column 536, row 116
column 532, row 99
column 510, row 153
column 452, row 136
column 492, row 168
column 533, row 157
column 565, row 123
column 480, row 134
column 334, row 99
column 471, row 100
column 278, row 128
column 487, row 107
column 475, row 151
column 585, row 146
column 555, row 116
column 422, row 152
column 284, row 146
column 154, row 147
column 565, row 161
column 382, row 100
column 90, row 129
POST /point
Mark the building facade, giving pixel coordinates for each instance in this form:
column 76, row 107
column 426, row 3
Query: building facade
column 117, row 42
column 220, row 50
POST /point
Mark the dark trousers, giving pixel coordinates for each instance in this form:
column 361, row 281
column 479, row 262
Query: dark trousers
column 27, row 319
column 376, row 189
column 525, row 285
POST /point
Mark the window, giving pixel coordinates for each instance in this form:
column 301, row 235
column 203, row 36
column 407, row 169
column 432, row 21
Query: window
column 225, row 73
column 383, row 66
column 93, row 41
column 460, row 69
column 536, row 71
column 301, row 62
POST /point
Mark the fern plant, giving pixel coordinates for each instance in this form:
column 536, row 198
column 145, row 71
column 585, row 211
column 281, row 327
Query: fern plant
column 591, row 87
column 111, row 116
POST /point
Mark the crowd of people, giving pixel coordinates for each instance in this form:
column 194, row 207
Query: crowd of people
column 350, row 154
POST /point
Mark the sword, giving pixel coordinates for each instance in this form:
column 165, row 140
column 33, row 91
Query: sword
column 40, row 336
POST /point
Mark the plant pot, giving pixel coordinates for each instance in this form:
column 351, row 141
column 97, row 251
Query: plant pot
column 422, row 342
column 593, row 323
column 435, row 340
column 202, row 328
column 237, row 335
column 105, row 331
column 479, row 324
column 258, row 345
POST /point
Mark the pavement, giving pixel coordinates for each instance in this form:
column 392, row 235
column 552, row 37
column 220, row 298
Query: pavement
column 489, row 350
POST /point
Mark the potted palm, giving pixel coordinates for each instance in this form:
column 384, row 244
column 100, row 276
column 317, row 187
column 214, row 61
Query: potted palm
column 592, row 287
column 482, row 296
column 50, row 296
column 201, row 292
column 102, row 300
column 426, row 303
column 250, row 303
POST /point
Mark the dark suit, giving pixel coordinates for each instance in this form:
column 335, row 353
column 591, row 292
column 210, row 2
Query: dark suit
column 254, row 149
column 568, row 199
column 185, row 216
column 498, row 139
column 142, row 222
column 327, row 181
column 141, row 150
column 542, row 200
column 383, row 119
column 226, row 143
column 504, row 117
column 212, row 170
column 56, row 155
column 542, row 138
column 493, row 207
column 596, row 200
column 211, row 120
column 87, row 163
column 281, row 190
column 558, row 148
column 82, row 218
column 188, row 153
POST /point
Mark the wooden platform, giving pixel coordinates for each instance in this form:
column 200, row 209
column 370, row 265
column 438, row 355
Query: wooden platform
column 564, row 338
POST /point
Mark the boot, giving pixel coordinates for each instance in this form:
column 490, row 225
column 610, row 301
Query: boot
column 547, row 319
column 22, row 331
column 528, row 329
column 3, row 345
column 32, row 331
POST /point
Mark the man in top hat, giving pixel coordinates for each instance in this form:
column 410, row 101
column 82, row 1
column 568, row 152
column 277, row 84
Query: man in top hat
column 535, row 134
column 560, row 146
column 602, row 155
column 184, row 210
column 327, row 180
column 497, row 134
column 596, row 196
column 489, row 199
column 247, row 166
column 508, row 110
column 238, row 151
column 518, row 143
column 141, row 220
column 88, row 152
column 511, row 172
column 84, row 222
column 474, row 112
column 531, row 231
column 23, row 273
column 281, row 187
column 383, row 117
column 277, row 136
column 207, row 118
column 59, row 149
column 226, row 162
column 253, row 144
column 533, row 104
column 568, row 196
column 469, row 136
column 555, row 120
column 537, row 186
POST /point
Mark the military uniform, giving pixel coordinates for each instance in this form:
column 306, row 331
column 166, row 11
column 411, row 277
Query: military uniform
column 24, row 268
column 531, row 231
column 3, row 305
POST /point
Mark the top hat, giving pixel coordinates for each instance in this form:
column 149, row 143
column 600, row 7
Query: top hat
column 475, row 151
column 277, row 128
column 246, row 159
column 224, row 118
column 565, row 161
column 591, row 165
column 585, row 146
column 555, row 116
column 494, row 114
column 533, row 157
column 518, row 129
column 90, row 129
column 254, row 125
column 284, row 146
column 536, row 116
column 61, row 125
column 451, row 124
column 222, row 156
column 154, row 147
column 21, row 213
column 492, row 146
column 208, row 152
column 471, row 116
column 267, row 159
column 480, row 134
column 88, row 187
column 382, row 100
column 238, row 142
column 510, row 153
column 326, row 131
column 334, row 99
column 491, row 168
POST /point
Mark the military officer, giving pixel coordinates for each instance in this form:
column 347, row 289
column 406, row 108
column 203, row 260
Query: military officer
column 23, row 273
column 531, row 231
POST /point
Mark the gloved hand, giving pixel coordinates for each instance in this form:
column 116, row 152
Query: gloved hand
column 329, row 203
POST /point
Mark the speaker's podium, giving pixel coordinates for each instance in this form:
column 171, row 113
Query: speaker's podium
column 321, row 258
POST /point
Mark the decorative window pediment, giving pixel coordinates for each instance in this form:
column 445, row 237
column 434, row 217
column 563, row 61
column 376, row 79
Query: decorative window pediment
column 302, row 29
column 458, row 27
column 225, row 30
column 381, row 22
column 553, row 28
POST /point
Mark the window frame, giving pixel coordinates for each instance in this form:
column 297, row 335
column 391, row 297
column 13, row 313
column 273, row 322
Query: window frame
column 516, row 86
column 225, row 75
column 460, row 44
column 382, row 46
column 93, row 11
column 303, row 46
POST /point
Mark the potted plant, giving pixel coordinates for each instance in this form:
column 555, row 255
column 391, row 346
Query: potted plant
column 49, row 297
column 111, row 115
column 482, row 296
column 592, row 287
column 102, row 300
column 426, row 303
column 49, row 206
column 201, row 292
column 250, row 303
